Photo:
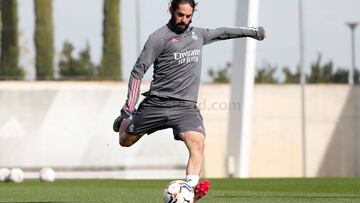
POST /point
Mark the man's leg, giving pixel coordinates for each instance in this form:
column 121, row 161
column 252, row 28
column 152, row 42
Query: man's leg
column 195, row 142
column 126, row 140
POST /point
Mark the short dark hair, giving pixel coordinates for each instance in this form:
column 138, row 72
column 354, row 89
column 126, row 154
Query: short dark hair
column 174, row 4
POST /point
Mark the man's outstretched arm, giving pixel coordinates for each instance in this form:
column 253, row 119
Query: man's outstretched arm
column 224, row 33
column 150, row 52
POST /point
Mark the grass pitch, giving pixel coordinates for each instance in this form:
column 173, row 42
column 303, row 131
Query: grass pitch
column 222, row 190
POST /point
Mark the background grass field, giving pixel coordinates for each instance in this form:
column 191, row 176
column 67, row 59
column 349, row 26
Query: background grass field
column 222, row 190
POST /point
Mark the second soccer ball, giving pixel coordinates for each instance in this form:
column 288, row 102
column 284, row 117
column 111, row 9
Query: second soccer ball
column 47, row 175
column 16, row 175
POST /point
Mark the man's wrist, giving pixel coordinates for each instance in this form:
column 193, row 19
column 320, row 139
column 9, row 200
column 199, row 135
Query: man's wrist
column 124, row 113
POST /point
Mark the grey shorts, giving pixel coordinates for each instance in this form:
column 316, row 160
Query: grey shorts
column 156, row 113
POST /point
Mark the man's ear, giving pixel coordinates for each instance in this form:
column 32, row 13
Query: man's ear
column 171, row 11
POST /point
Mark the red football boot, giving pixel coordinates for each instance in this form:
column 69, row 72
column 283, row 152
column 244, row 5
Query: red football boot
column 201, row 189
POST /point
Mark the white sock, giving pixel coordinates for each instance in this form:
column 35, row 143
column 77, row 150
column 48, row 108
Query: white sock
column 192, row 180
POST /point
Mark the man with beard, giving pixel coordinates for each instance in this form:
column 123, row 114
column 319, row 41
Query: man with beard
column 175, row 50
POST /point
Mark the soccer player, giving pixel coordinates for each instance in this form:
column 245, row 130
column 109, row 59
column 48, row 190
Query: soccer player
column 175, row 50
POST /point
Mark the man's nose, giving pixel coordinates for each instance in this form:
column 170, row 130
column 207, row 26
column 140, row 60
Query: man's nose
column 184, row 19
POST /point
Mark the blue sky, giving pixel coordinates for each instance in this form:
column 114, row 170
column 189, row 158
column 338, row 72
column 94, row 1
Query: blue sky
column 79, row 21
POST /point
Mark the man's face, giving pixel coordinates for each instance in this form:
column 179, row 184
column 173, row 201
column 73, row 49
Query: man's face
column 182, row 17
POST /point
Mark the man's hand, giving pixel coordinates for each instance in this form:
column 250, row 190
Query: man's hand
column 117, row 123
column 124, row 115
column 260, row 33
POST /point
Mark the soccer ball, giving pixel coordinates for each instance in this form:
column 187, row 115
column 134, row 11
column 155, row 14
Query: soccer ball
column 4, row 174
column 16, row 175
column 47, row 175
column 178, row 191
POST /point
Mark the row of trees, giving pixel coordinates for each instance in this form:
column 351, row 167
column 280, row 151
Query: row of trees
column 70, row 67
column 319, row 73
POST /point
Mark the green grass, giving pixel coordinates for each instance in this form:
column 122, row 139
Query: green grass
column 222, row 190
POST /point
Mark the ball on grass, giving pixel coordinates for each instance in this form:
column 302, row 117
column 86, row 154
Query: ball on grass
column 4, row 174
column 16, row 175
column 47, row 175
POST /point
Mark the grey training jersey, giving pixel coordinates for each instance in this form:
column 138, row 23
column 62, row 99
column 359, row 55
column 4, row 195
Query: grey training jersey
column 177, row 62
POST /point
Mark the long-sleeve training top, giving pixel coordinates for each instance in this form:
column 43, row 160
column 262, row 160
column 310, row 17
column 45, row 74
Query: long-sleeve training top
column 177, row 62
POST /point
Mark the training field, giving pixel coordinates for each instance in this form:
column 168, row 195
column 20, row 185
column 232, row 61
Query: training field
column 222, row 190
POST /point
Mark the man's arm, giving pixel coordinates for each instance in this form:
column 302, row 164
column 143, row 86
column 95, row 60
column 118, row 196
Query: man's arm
column 150, row 52
column 213, row 35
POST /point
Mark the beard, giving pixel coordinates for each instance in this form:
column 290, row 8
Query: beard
column 178, row 28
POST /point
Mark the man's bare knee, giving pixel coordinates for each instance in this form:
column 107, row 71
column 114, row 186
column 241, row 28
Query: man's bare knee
column 126, row 140
column 125, row 143
column 195, row 141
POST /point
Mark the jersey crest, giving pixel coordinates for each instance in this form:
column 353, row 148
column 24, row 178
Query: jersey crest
column 194, row 36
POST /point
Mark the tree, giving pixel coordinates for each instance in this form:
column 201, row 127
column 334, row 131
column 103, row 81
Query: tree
column 321, row 73
column 357, row 76
column 291, row 78
column 9, row 59
column 340, row 76
column 110, row 67
column 263, row 75
column 266, row 75
column 222, row 75
column 81, row 68
column 44, row 40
